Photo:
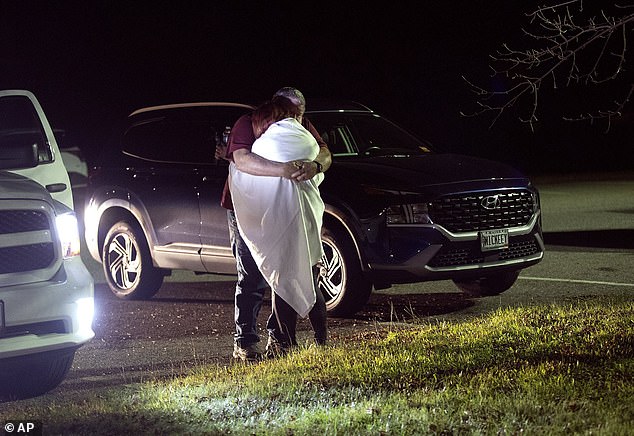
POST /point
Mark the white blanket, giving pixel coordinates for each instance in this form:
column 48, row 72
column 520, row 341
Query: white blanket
column 280, row 219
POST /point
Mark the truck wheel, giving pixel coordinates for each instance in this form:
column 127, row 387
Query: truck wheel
column 493, row 284
column 127, row 263
column 346, row 289
column 33, row 375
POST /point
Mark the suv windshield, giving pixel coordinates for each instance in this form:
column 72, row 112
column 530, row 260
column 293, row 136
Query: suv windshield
column 19, row 124
column 351, row 134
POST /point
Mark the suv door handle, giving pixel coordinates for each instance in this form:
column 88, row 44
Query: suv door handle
column 56, row 187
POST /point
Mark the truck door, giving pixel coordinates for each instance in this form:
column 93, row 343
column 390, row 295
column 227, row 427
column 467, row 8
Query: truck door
column 22, row 119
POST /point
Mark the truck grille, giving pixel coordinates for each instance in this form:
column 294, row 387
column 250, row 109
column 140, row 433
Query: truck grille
column 16, row 221
column 26, row 257
column 482, row 211
column 19, row 252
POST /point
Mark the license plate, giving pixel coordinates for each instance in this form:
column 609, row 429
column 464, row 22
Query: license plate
column 494, row 239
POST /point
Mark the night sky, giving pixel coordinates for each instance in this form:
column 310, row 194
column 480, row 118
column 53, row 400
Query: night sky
column 93, row 62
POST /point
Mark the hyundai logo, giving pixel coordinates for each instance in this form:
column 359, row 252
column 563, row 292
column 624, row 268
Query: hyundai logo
column 491, row 202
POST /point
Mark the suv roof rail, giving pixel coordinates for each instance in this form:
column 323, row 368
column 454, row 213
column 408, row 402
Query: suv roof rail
column 193, row 104
column 324, row 104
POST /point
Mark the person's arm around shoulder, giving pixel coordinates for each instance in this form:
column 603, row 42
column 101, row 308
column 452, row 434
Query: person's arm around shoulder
column 322, row 162
column 324, row 158
column 256, row 165
column 239, row 151
column 308, row 170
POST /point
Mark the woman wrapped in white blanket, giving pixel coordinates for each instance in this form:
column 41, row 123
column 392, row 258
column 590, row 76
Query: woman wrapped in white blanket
column 280, row 219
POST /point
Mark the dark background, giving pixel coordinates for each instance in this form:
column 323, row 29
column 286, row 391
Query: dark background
column 93, row 62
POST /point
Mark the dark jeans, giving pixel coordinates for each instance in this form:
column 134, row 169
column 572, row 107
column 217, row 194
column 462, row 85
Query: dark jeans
column 250, row 288
column 283, row 321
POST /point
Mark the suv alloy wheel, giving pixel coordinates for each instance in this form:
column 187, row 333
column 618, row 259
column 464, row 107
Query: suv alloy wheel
column 345, row 287
column 127, row 263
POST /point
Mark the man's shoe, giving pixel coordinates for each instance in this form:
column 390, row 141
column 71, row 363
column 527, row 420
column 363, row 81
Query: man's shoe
column 275, row 349
column 249, row 353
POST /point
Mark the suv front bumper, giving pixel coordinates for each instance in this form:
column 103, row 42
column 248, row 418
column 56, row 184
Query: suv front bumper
column 429, row 252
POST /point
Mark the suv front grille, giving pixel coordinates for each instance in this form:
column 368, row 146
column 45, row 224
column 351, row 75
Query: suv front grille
column 482, row 211
column 470, row 254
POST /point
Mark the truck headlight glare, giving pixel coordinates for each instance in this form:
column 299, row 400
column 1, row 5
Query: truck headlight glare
column 68, row 232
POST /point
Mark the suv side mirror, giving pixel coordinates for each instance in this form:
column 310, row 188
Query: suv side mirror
column 17, row 154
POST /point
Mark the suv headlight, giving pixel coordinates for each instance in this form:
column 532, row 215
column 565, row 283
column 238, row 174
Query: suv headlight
column 68, row 232
column 417, row 213
column 536, row 202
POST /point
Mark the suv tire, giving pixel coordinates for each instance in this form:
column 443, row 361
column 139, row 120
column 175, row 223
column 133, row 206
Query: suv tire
column 127, row 263
column 489, row 285
column 346, row 289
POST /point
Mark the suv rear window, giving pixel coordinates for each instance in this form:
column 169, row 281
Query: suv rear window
column 179, row 135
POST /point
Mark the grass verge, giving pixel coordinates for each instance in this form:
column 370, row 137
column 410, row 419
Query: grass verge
column 559, row 369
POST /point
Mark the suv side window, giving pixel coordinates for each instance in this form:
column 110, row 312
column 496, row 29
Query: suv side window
column 179, row 135
column 171, row 140
column 336, row 134
column 354, row 133
column 20, row 123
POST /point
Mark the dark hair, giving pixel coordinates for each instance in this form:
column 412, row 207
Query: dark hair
column 271, row 111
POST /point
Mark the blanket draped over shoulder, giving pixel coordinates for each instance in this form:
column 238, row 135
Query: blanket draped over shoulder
column 280, row 219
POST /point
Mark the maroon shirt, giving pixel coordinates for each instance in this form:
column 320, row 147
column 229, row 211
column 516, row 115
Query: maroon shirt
column 242, row 136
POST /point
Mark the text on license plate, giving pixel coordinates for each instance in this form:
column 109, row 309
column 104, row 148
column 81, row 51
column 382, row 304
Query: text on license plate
column 494, row 239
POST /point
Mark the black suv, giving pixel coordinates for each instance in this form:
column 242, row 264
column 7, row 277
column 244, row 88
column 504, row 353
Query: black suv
column 396, row 212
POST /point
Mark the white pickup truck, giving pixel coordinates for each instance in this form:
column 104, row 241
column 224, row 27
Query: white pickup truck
column 46, row 292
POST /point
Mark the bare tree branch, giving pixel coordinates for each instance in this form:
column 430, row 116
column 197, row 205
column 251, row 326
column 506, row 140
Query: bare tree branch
column 569, row 47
